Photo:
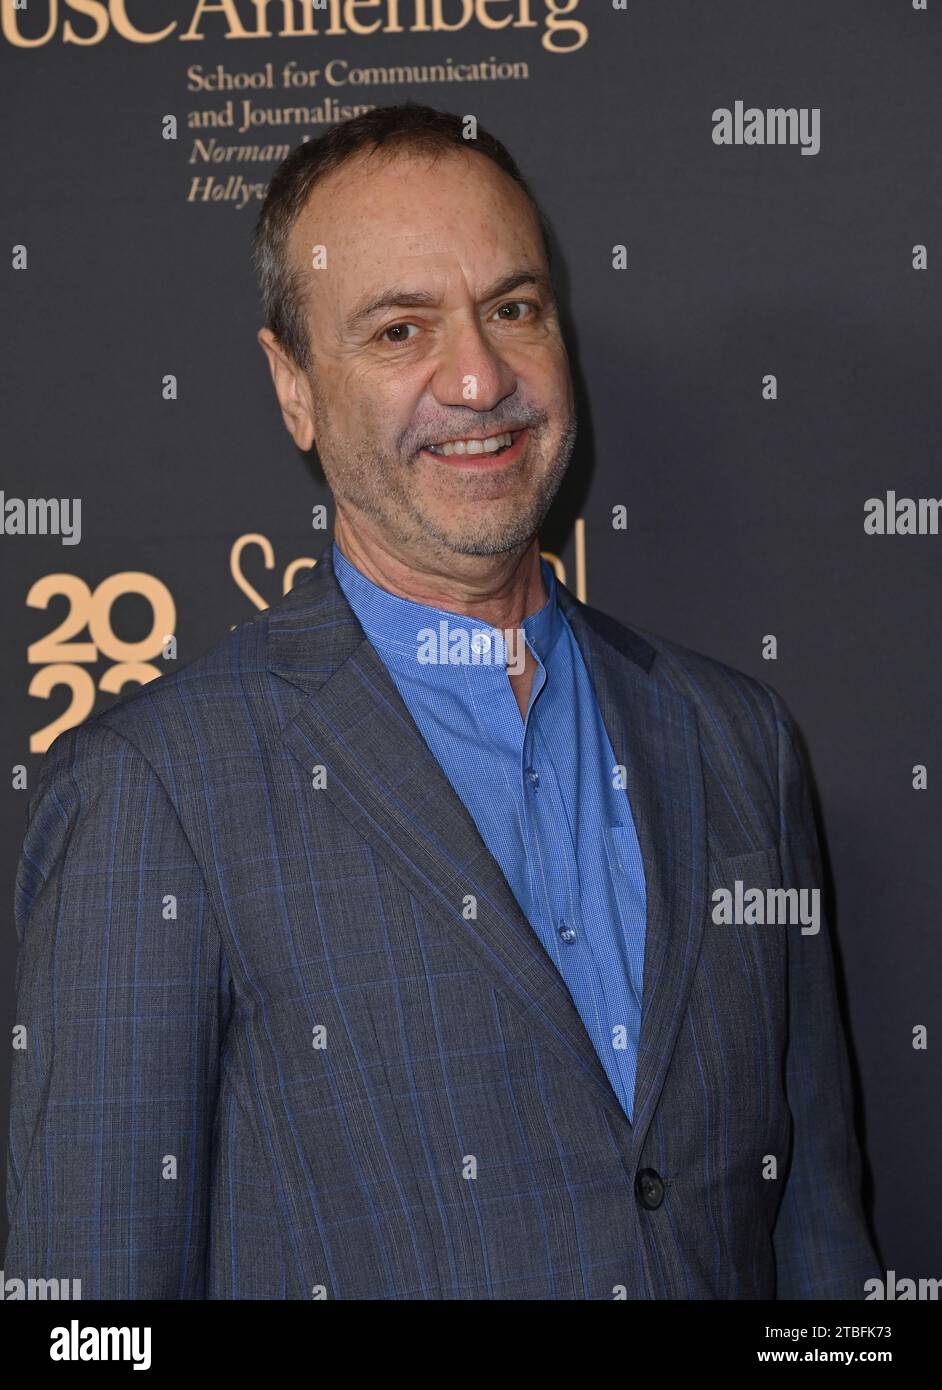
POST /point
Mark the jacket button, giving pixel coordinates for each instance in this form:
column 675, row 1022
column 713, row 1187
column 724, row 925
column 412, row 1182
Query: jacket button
column 649, row 1188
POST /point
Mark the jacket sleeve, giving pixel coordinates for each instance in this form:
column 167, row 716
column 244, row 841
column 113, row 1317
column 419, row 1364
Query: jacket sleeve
column 121, row 1004
column 822, row 1246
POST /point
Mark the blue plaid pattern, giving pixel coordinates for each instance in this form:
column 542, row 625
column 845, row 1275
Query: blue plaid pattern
column 267, row 1056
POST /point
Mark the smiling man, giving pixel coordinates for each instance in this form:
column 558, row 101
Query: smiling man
column 442, row 1008
column 429, row 369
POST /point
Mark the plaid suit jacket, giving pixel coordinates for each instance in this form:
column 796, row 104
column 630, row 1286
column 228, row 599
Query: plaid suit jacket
column 271, row 1054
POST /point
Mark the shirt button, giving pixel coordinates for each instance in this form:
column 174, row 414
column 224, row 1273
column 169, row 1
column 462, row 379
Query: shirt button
column 534, row 777
column 481, row 642
column 567, row 934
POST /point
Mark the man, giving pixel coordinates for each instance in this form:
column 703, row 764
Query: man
column 373, row 955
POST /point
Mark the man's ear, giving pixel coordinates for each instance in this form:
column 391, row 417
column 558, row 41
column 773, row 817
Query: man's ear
column 291, row 389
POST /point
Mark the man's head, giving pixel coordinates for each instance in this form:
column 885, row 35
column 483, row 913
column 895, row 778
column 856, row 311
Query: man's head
column 397, row 206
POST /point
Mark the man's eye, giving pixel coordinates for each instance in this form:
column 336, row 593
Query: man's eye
column 516, row 303
column 395, row 328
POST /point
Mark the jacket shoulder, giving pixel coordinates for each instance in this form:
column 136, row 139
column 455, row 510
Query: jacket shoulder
column 706, row 680
column 733, row 708
column 199, row 701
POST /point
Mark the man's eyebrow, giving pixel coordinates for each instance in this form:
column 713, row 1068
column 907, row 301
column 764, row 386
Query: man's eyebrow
column 399, row 297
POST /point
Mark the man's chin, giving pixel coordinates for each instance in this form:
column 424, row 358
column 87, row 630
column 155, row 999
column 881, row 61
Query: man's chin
column 475, row 537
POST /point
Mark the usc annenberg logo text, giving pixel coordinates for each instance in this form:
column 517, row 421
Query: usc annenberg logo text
column 89, row 22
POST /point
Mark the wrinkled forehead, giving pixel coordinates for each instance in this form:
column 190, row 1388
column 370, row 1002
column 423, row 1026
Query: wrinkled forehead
column 447, row 216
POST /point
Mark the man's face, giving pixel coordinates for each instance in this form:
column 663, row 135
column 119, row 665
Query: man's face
column 474, row 358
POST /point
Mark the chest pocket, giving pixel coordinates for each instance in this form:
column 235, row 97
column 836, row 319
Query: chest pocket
column 758, row 868
column 760, row 948
column 624, row 848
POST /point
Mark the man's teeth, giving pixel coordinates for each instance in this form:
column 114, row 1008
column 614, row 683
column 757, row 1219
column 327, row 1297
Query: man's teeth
column 473, row 446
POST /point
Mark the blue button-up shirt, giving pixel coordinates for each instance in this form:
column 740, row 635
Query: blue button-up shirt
column 543, row 791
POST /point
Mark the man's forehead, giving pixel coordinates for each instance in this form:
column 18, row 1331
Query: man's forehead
column 366, row 175
column 407, row 257
column 366, row 204
column 374, row 244
column 414, row 266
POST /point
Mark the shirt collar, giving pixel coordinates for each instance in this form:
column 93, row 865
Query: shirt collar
column 394, row 623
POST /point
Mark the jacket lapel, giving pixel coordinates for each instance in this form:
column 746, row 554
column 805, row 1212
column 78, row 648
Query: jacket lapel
column 654, row 735
column 381, row 775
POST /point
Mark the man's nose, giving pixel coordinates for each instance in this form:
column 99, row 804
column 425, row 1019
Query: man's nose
column 472, row 371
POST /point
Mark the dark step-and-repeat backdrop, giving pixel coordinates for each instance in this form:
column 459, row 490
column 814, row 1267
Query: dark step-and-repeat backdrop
column 745, row 200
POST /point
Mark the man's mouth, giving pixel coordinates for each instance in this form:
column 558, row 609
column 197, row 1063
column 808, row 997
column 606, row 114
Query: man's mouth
column 479, row 450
